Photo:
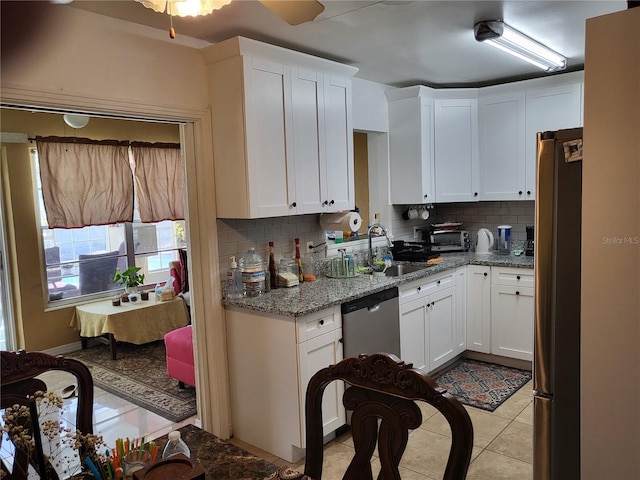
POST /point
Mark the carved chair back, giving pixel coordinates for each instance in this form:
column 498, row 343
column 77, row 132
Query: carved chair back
column 18, row 372
column 382, row 398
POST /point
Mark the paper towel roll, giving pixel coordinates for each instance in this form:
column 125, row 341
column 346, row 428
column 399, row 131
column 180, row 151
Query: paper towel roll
column 345, row 221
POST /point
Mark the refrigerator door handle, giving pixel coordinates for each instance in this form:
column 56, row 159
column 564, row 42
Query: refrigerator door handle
column 543, row 261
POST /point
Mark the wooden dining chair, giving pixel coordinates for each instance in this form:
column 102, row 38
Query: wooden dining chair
column 18, row 376
column 382, row 399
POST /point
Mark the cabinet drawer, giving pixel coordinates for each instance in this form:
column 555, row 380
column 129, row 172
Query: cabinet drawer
column 318, row 323
column 519, row 277
column 425, row 286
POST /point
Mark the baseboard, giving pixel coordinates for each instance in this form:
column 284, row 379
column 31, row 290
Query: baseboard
column 62, row 349
column 499, row 360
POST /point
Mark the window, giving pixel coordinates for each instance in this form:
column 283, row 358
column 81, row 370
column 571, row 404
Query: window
column 83, row 261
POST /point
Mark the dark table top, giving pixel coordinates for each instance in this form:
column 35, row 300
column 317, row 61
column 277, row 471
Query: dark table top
column 220, row 459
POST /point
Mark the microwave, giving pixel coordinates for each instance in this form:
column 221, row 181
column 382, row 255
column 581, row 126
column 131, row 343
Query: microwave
column 449, row 240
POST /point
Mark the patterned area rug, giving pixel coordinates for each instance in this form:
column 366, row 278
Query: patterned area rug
column 139, row 375
column 482, row 385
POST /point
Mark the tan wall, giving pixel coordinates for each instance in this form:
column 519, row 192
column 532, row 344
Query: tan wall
column 361, row 174
column 610, row 363
column 39, row 328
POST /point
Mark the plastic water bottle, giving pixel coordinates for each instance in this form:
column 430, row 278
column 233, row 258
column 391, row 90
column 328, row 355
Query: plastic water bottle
column 253, row 274
column 234, row 280
column 175, row 445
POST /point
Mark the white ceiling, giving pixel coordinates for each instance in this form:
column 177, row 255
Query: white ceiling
column 395, row 42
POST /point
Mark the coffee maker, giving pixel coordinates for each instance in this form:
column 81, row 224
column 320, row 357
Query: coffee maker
column 528, row 246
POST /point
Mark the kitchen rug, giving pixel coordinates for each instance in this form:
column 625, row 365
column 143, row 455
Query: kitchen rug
column 139, row 375
column 480, row 384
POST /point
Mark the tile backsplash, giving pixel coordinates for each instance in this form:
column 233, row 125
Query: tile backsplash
column 236, row 236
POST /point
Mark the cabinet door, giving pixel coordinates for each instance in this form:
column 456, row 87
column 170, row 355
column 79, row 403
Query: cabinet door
column 411, row 167
column 549, row 108
column 456, row 150
column 413, row 340
column 460, row 315
column 309, row 150
column 442, row 327
column 268, row 116
column 314, row 355
column 502, row 147
column 338, row 144
column 479, row 309
column 512, row 320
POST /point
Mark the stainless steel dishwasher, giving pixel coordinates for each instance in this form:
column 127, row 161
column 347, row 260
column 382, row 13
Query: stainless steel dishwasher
column 372, row 324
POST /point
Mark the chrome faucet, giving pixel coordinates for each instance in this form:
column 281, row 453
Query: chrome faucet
column 385, row 232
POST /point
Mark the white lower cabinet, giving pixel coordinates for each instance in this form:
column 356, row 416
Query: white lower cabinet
column 441, row 312
column 271, row 359
column 413, row 338
column 512, row 321
column 314, row 355
column 500, row 311
column 479, row 308
column 429, row 327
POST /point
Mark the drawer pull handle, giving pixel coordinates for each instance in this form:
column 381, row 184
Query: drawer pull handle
column 517, row 293
column 518, row 277
column 340, row 341
column 438, row 282
column 294, row 204
column 321, row 322
column 419, row 288
column 485, row 274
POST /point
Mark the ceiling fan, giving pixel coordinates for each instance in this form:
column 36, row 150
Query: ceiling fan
column 293, row 12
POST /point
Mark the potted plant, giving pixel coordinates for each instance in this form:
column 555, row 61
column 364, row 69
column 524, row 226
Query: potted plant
column 131, row 280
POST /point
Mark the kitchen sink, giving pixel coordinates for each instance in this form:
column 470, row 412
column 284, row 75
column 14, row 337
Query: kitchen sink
column 400, row 269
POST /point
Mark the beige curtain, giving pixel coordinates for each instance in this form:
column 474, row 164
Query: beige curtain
column 85, row 182
column 159, row 178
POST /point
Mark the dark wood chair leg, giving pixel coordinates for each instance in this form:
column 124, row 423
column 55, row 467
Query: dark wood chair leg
column 112, row 346
column 83, row 342
column 181, row 385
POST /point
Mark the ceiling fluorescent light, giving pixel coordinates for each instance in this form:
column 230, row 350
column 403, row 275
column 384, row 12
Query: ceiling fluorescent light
column 500, row 35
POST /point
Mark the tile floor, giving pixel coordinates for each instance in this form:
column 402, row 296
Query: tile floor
column 502, row 439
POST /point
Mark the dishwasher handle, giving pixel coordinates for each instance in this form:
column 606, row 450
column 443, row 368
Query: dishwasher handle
column 369, row 301
column 374, row 308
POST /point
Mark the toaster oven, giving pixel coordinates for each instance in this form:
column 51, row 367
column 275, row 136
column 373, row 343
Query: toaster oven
column 449, row 240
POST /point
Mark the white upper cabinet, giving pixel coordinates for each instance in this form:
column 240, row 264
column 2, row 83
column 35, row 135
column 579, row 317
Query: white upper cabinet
column 282, row 131
column 338, row 141
column 456, row 148
column 411, row 145
column 475, row 144
column 552, row 107
column 502, row 146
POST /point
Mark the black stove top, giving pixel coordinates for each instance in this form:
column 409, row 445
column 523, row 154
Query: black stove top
column 412, row 251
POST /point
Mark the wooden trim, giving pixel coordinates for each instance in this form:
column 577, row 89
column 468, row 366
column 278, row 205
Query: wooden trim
column 207, row 313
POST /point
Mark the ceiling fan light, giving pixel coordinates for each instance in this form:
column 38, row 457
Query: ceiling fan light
column 76, row 121
column 185, row 8
column 500, row 35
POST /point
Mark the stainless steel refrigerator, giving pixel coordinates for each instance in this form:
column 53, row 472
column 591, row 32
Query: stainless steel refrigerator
column 556, row 359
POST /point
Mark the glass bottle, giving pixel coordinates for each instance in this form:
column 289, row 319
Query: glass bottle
column 175, row 445
column 273, row 272
column 299, row 261
column 253, row 275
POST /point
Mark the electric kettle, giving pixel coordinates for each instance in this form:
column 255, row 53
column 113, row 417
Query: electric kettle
column 485, row 241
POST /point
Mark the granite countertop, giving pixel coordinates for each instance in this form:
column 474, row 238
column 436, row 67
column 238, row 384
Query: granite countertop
column 325, row 292
column 220, row 459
